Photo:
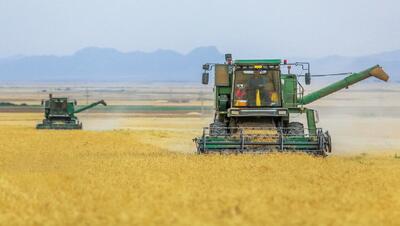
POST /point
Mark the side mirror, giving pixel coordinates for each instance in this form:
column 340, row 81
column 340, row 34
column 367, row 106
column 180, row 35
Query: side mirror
column 228, row 58
column 205, row 78
column 308, row 78
column 206, row 67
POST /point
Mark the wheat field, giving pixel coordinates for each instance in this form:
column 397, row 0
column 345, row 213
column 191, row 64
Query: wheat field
column 136, row 177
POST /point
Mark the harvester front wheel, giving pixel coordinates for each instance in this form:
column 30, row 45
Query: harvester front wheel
column 328, row 142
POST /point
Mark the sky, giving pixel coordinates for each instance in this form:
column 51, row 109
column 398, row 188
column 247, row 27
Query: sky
column 251, row 28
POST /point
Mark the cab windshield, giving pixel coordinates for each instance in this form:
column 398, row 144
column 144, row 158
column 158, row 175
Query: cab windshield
column 58, row 106
column 256, row 88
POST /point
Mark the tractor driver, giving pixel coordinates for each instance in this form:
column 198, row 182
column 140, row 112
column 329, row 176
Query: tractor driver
column 240, row 95
column 259, row 89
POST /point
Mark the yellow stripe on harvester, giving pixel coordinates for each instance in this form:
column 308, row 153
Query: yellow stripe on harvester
column 258, row 98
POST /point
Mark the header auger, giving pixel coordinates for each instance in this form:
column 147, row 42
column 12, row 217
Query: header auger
column 255, row 102
column 59, row 113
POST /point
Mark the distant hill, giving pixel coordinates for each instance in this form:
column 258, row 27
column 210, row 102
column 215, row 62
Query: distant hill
column 106, row 64
column 110, row 65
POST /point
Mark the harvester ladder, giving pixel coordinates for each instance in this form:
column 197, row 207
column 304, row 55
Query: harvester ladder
column 204, row 140
column 241, row 140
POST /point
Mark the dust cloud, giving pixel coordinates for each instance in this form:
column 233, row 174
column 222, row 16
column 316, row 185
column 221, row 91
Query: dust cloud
column 364, row 118
column 101, row 124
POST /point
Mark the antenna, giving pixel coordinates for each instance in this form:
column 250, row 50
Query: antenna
column 87, row 95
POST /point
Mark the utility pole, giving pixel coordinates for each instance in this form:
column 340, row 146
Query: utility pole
column 87, row 99
column 87, row 95
column 202, row 101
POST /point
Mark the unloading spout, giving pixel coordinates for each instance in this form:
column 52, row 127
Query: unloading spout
column 102, row 102
column 379, row 73
column 375, row 71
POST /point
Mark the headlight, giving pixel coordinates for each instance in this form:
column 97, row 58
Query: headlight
column 281, row 112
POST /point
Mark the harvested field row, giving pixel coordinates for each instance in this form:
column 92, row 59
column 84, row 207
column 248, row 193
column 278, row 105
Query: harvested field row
column 128, row 178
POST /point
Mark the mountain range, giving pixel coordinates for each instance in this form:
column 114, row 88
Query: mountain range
column 107, row 64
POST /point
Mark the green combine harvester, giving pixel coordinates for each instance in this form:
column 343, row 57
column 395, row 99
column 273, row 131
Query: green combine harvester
column 59, row 113
column 257, row 107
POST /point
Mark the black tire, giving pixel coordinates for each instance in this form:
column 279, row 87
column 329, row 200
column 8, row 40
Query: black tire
column 295, row 128
column 218, row 129
column 328, row 142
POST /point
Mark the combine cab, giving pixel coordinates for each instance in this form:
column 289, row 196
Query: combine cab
column 255, row 104
column 59, row 113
